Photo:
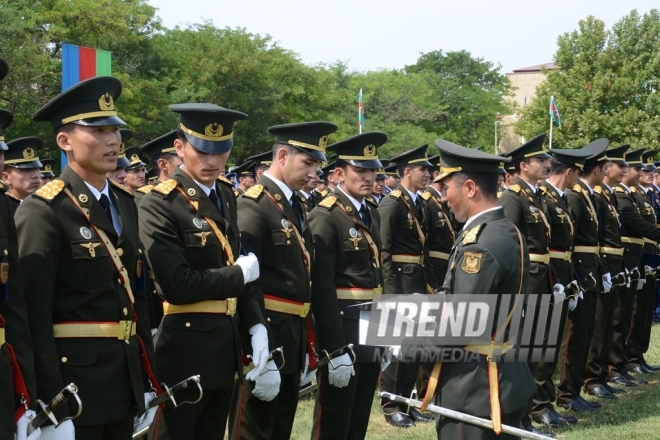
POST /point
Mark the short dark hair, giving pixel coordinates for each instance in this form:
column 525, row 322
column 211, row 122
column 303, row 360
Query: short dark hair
column 557, row 167
column 516, row 165
column 292, row 150
column 486, row 182
column 588, row 168
column 158, row 156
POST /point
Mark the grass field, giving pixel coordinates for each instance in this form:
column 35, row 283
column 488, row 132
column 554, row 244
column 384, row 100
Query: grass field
column 635, row 415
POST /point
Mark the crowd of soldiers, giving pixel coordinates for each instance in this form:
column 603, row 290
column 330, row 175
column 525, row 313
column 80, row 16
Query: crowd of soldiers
column 122, row 283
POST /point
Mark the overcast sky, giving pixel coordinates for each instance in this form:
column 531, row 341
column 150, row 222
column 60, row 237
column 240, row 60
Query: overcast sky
column 368, row 34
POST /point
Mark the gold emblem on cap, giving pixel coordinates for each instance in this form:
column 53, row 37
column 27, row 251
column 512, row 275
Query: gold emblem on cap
column 191, row 191
column 106, row 102
column 649, row 160
column 122, row 150
column 370, row 150
column 83, row 198
column 135, row 158
column 28, row 153
column 213, row 130
column 323, row 141
column 48, row 168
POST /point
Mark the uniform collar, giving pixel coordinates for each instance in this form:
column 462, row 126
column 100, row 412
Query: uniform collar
column 353, row 200
column 288, row 192
column 560, row 192
column 96, row 193
column 471, row 219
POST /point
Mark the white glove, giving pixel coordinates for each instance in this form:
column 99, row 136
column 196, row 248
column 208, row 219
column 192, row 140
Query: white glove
column 628, row 277
column 259, row 350
column 145, row 419
column 22, row 427
column 640, row 283
column 306, row 376
column 63, row 432
column 250, row 266
column 648, row 271
column 341, row 375
column 581, row 295
column 558, row 293
column 572, row 303
column 153, row 332
column 267, row 385
column 607, row 282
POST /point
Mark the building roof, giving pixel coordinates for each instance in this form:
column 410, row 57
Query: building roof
column 549, row 66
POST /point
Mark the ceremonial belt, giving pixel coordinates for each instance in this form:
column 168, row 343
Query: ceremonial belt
column 540, row 258
column 438, row 254
column 2, row 336
column 358, row 294
column 420, row 233
column 220, row 307
column 226, row 247
column 449, row 226
column 122, row 330
column 282, row 305
column 586, row 249
column 647, row 241
column 373, row 248
column 632, row 240
column 657, row 225
column 561, row 255
column 611, row 251
column 411, row 259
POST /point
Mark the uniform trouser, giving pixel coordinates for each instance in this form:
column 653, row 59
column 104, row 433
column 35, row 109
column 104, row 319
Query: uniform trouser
column 398, row 378
column 122, row 430
column 255, row 419
column 343, row 413
column 574, row 348
column 642, row 320
column 6, row 395
column 205, row 419
column 447, row 428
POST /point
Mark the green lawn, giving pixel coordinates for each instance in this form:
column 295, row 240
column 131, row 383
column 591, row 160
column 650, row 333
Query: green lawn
column 635, row 415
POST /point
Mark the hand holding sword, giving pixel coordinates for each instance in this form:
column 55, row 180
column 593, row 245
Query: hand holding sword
column 46, row 412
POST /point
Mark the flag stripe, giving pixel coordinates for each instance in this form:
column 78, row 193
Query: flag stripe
column 103, row 63
column 70, row 69
column 87, row 57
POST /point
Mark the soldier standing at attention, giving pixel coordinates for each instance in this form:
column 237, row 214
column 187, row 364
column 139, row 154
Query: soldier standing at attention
column 404, row 238
column 135, row 171
column 119, row 173
column 21, row 171
column 245, row 175
column 47, row 170
column 346, row 272
column 79, row 250
column 274, row 226
column 189, row 226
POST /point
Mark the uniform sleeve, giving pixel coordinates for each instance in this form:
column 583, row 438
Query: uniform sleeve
column 329, row 326
column 428, row 261
column 485, row 280
column 178, row 282
column 512, row 209
column 252, row 225
column 634, row 223
column 575, row 202
column 39, row 241
column 388, row 220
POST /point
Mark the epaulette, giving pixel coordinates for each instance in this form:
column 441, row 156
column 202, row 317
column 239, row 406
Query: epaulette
column 598, row 189
column 514, row 188
column 328, row 202
column 254, row 192
column 236, row 193
column 372, row 201
column 324, row 193
column 223, row 179
column 425, row 195
column 165, row 188
column 543, row 189
column 118, row 186
column 499, row 194
column 396, row 193
column 619, row 189
column 471, row 235
column 50, row 190
column 633, row 189
column 146, row 189
column 577, row 188
column 10, row 195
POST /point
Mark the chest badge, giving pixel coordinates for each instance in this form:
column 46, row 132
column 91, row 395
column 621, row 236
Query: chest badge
column 471, row 262
column 86, row 233
column 202, row 236
column 286, row 227
column 91, row 247
column 356, row 236
column 534, row 210
column 410, row 220
column 197, row 222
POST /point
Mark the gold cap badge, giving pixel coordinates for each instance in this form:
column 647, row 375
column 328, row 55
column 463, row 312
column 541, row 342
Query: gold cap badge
column 106, row 102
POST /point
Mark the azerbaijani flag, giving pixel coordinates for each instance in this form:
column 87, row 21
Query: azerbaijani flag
column 360, row 112
column 554, row 112
column 80, row 63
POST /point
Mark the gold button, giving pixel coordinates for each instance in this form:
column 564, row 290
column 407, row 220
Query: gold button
column 357, row 248
column 64, row 359
column 6, row 253
column 154, row 292
column 268, row 319
column 310, row 284
column 303, row 240
column 288, row 242
column 120, row 251
column 125, row 311
column 341, row 313
column 375, row 265
column 139, row 251
column 187, row 324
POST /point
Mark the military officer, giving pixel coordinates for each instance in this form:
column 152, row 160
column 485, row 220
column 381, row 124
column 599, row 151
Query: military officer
column 402, row 231
column 274, row 226
column 135, row 171
column 262, row 162
column 392, row 180
column 191, row 218
column 576, row 340
column 329, row 173
column 488, row 257
column 119, row 173
column 524, row 206
column 246, row 177
column 79, row 251
column 379, row 185
column 47, row 170
column 347, row 246
column 21, row 171
column 161, row 154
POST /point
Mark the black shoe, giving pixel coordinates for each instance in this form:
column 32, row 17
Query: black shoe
column 601, row 391
column 399, row 420
column 594, row 405
column 651, row 368
column 577, row 405
column 549, row 419
column 417, row 416
column 622, row 380
column 613, row 390
column 637, row 380
column 530, row 428
column 640, row 369
column 569, row 420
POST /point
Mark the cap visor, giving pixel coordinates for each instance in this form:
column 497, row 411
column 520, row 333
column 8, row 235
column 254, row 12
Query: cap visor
column 123, row 162
column 100, row 122
column 47, row 174
column 373, row 164
column 3, row 146
column 136, row 165
column 210, row 147
column 25, row 165
column 314, row 153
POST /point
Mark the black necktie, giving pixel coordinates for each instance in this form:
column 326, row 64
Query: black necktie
column 364, row 214
column 538, row 197
column 295, row 204
column 215, row 200
column 418, row 204
column 565, row 199
column 105, row 202
column 310, row 201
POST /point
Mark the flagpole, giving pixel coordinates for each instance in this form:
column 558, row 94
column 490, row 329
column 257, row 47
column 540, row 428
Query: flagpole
column 360, row 112
column 550, row 114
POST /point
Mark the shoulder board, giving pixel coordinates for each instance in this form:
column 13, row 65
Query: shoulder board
column 499, row 194
column 577, row 188
column 50, row 190
column 11, row 196
column 254, row 192
column 3, row 186
column 166, row 187
column 598, row 189
column 372, row 201
column 619, row 189
column 633, row 189
column 543, row 189
column 324, row 192
column 146, row 189
column 514, row 188
column 223, row 179
column 236, row 193
column 118, row 186
column 471, row 235
column 328, row 202
column 396, row 193
column 425, row 195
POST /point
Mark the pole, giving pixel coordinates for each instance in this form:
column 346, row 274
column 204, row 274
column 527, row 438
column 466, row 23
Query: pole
column 496, row 146
column 550, row 115
column 360, row 116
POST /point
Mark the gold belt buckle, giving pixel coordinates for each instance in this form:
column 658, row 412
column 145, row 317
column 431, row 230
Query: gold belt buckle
column 305, row 310
column 125, row 330
column 378, row 290
column 231, row 306
column 568, row 255
column 546, row 259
